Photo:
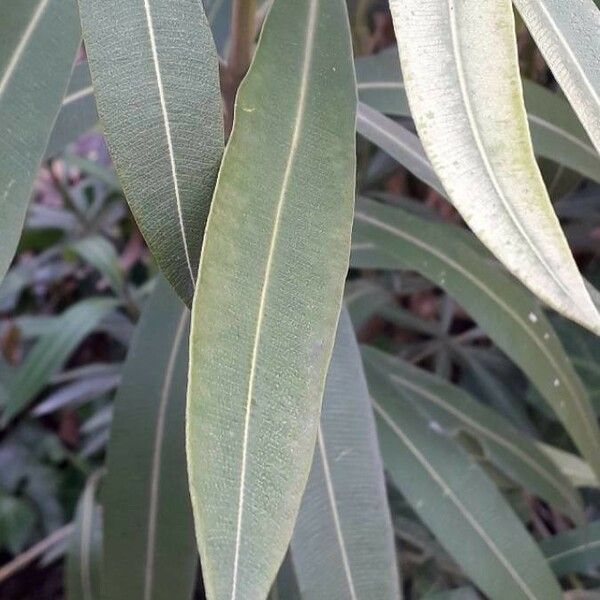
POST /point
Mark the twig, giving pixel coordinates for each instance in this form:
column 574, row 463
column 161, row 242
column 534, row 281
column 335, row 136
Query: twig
column 22, row 560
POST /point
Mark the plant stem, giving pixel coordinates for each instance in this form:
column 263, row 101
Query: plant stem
column 243, row 31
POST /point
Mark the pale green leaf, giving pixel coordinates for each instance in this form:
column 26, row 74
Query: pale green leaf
column 454, row 411
column 555, row 130
column 386, row 238
column 84, row 555
column 270, row 288
column 38, row 41
column 567, row 35
column 461, row 506
column 474, row 129
column 343, row 542
column 578, row 471
column 150, row 550
column 156, row 82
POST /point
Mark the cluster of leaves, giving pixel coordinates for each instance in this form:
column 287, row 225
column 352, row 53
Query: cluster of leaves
column 469, row 395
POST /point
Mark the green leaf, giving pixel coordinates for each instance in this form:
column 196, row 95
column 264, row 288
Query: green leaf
column 566, row 33
column 78, row 112
column 52, row 350
column 384, row 237
column 463, row 593
column 364, row 299
column 270, row 288
column 454, row 411
column 101, row 254
column 156, row 81
column 578, row 471
column 461, row 506
column 84, row 556
column 575, row 551
column 150, row 550
column 474, row 129
column 555, row 130
column 343, row 542
column 38, row 41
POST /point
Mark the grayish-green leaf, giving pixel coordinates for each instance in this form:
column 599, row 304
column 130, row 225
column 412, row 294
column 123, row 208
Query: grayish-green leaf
column 572, row 466
column 461, row 506
column 270, row 288
column 84, row 556
column 555, row 130
column 52, row 350
column 567, row 35
column 156, row 81
column 474, row 129
column 384, row 237
column 343, row 542
column 455, row 411
column 574, row 551
column 363, row 299
column 38, row 41
column 78, row 112
column 150, row 550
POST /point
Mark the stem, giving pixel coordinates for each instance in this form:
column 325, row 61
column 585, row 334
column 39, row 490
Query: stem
column 243, row 31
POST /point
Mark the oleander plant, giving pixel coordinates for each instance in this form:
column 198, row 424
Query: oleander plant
column 299, row 299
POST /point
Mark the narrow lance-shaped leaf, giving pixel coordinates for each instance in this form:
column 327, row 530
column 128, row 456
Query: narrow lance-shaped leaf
column 150, row 550
column 455, row 411
column 343, row 542
column 555, row 130
column 52, row 349
column 473, row 126
column 84, row 557
column 461, row 506
column 156, row 81
column 567, row 35
column 384, row 237
column 270, row 288
column 38, row 41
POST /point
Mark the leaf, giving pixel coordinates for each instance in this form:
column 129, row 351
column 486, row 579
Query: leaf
column 101, row 254
column 461, row 506
column 574, row 551
column 150, row 550
column 343, row 542
column 156, row 81
column 38, row 41
column 555, row 130
column 52, row 350
column 474, row 129
column 363, row 299
column 566, row 34
column 384, row 237
column 84, row 557
column 398, row 142
column 78, row 112
column 462, row 593
column 269, row 292
column 577, row 470
column 454, row 411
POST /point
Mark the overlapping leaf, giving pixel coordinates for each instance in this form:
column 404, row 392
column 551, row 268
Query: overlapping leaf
column 555, row 130
column 384, row 237
column 156, row 82
column 454, row 411
column 38, row 41
column 150, row 550
column 475, row 132
column 343, row 542
column 455, row 499
column 269, row 293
